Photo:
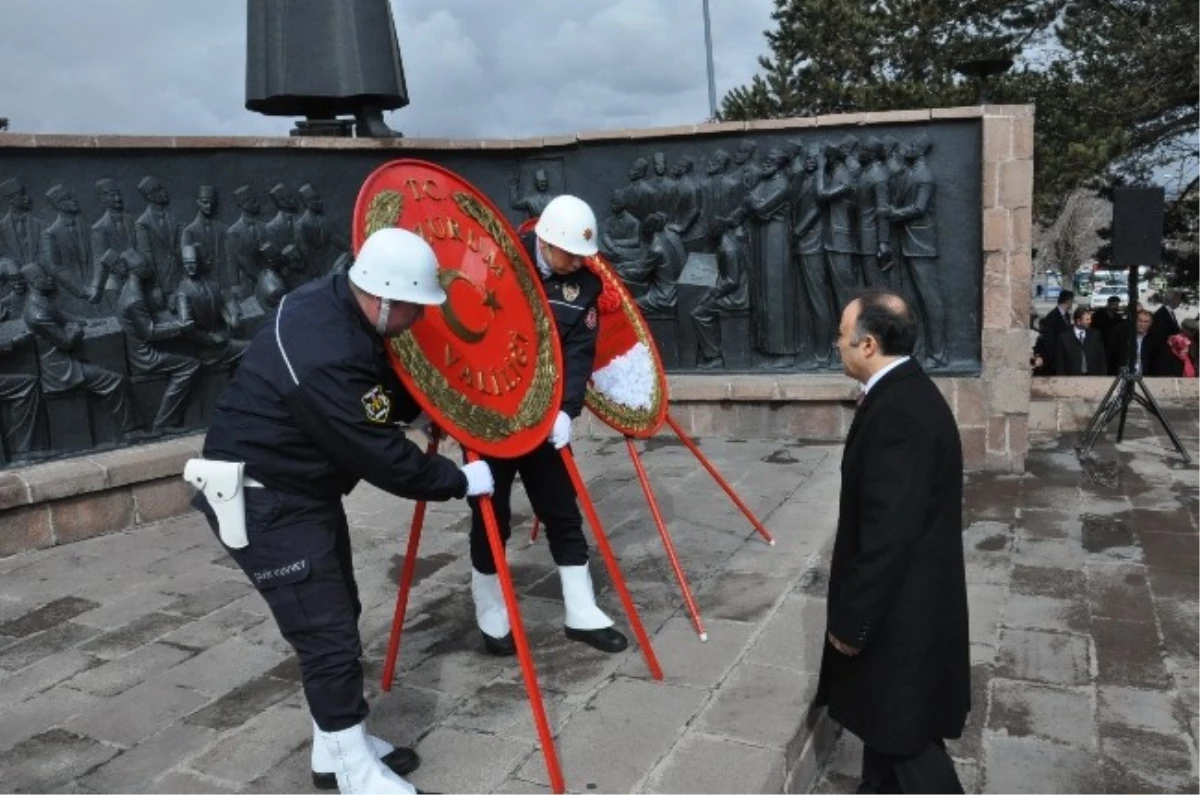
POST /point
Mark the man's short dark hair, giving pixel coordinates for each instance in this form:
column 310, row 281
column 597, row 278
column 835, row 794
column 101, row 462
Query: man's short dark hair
column 886, row 317
column 1064, row 296
column 1080, row 311
column 1114, row 299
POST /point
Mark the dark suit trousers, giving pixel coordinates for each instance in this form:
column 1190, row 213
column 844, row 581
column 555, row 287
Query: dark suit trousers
column 23, row 429
column 932, row 771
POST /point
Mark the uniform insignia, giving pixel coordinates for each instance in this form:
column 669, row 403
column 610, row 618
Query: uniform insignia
column 570, row 292
column 590, row 319
column 587, row 233
column 377, row 405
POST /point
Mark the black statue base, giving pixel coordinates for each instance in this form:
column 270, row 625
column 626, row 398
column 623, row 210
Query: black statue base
column 1116, row 404
column 323, row 128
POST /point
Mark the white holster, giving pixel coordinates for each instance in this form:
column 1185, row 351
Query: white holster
column 222, row 484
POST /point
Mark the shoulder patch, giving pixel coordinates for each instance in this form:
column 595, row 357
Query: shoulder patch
column 570, row 291
column 590, row 319
column 377, row 405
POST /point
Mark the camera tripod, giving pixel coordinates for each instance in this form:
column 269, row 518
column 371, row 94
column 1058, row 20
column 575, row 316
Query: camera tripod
column 1116, row 403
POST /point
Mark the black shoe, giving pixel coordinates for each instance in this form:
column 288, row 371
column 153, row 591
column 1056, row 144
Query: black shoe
column 499, row 647
column 607, row 640
column 400, row 761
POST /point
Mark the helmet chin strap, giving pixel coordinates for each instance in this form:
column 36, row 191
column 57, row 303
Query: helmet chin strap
column 385, row 309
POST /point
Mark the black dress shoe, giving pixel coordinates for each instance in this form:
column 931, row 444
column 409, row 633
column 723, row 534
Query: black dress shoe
column 499, row 647
column 607, row 640
column 400, row 761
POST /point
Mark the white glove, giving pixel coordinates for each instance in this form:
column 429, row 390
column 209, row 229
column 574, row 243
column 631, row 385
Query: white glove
column 560, row 437
column 479, row 478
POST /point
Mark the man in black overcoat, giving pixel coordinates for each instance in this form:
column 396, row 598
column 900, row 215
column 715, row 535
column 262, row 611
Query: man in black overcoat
column 896, row 665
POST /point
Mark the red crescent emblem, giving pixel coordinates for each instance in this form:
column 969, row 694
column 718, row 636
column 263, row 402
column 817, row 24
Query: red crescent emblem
column 485, row 365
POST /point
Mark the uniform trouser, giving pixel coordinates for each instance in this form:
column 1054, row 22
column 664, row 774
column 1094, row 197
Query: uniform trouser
column 816, row 287
column 24, row 396
column 183, row 371
column 927, row 288
column 552, row 496
column 932, row 770
column 299, row 559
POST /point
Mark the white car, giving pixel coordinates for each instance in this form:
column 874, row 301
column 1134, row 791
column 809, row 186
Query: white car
column 1102, row 293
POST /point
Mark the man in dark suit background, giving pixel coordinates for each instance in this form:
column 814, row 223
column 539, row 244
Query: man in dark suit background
column 896, row 664
column 1163, row 325
column 1056, row 322
column 1080, row 351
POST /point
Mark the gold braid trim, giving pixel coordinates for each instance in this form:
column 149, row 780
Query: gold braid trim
column 623, row 416
column 480, row 421
column 384, row 211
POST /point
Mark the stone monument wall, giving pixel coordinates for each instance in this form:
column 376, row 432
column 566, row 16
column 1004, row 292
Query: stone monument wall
column 976, row 175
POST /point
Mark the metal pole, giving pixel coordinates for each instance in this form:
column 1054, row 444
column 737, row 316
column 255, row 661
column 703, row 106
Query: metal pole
column 708, row 54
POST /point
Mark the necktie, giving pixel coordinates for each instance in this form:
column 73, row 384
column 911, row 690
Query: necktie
column 858, row 401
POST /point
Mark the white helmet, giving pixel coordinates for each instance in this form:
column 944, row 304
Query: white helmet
column 397, row 265
column 569, row 223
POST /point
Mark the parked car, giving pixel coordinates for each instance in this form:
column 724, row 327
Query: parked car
column 1102, row 293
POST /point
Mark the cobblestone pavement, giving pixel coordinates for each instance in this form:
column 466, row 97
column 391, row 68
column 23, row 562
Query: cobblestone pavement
column 144, row 662
column 1083, row 593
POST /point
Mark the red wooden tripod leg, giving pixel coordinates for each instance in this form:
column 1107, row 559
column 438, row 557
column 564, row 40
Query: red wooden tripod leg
column 406, row 577
column 720, row 480
column 666, row 539
column 518, row 630
column 614, row 570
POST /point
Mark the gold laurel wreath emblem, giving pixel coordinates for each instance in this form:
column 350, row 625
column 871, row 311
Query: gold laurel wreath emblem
column 480, row 421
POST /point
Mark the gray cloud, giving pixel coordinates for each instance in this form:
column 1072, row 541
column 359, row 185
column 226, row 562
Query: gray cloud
column 475, row 68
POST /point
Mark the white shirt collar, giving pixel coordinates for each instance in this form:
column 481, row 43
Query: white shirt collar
column 873, row 380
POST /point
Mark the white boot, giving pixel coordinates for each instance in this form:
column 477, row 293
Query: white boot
column 323, row 768
column 490, row 611
column 355, row 763
column 580, row 599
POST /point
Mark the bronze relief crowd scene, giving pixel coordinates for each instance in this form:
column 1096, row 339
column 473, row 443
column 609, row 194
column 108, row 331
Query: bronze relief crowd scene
column 776, row 241
column 139, row 310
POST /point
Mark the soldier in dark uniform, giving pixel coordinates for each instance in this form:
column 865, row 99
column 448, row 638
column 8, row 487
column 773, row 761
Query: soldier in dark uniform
column 143, row 329
column 281, row 230
column 874, row 228
column 835, row 190
column 532, row 204
column 807, row 233
column 60, row 370
column 311, row 412
column 564, row 234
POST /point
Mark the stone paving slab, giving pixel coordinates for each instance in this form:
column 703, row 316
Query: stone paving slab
column 163, row 654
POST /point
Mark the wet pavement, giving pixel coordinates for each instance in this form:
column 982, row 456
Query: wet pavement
column 1083, row 593
column 143, row 661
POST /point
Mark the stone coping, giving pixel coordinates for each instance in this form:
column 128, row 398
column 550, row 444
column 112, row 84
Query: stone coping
column 108, row 469
column 61, row 141
column 99, row 471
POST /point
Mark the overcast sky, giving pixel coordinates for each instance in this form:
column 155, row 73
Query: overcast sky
column 475, row 68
